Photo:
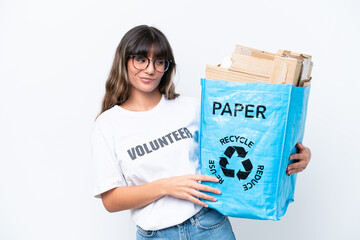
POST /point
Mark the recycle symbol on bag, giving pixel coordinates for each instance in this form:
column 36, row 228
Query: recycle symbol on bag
column 241, row 153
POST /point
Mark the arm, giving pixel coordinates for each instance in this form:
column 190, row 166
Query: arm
column 182, row 187
column 303, row 158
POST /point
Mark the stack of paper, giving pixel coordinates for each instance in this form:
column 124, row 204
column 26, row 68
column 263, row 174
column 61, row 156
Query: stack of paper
column 253, row 65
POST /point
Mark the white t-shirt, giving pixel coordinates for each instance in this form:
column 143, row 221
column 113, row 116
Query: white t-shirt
column 134, row 148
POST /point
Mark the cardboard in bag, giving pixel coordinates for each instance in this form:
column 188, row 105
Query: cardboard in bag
column 253, row 65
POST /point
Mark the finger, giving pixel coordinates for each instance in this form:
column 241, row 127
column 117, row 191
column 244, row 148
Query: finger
column 202, row 195
column 197, row 201
column 297, row 156
column 293, row 171
column 296, row 167
column 206, row 188
column 301, row 164
column 300, row 146
column 205, row 178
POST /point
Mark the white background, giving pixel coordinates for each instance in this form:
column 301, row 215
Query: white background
column 54, row 60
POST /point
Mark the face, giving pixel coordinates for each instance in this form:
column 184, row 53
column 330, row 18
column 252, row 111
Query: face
column 144, row 81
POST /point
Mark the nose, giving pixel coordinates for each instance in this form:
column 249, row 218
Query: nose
column 150, row 68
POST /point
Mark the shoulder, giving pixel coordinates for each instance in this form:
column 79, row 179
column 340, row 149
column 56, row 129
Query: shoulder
column 184, row 106
column 108, row 114
column 105, row 119
column 185, row 101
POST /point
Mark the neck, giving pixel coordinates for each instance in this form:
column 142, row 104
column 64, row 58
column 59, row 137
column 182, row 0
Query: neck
column 139, row 102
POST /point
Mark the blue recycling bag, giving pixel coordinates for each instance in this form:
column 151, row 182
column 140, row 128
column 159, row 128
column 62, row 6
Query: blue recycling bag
column 248, row 131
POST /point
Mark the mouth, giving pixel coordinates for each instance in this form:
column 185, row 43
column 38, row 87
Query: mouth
column 146, row 80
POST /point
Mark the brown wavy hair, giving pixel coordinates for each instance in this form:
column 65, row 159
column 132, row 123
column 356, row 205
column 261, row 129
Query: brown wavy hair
column 138, row 41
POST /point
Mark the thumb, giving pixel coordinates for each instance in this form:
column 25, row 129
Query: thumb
column 300, row 146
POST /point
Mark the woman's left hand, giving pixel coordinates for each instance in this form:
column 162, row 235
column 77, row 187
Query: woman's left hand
column 302, row 160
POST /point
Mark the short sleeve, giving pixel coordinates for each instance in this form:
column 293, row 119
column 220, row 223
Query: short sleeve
column 198, row 116
column 107, row 172
column 198, row 110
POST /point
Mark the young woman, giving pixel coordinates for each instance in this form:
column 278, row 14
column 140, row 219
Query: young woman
column 145, row 146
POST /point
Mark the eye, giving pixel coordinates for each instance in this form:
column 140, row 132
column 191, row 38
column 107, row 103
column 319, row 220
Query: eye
column 140, row 59
column 160, row 62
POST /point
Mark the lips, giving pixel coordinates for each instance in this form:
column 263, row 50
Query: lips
column 146, row 80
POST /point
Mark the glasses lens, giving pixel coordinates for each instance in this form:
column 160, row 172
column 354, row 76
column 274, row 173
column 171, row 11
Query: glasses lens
column 140, row 62
column 161, row 65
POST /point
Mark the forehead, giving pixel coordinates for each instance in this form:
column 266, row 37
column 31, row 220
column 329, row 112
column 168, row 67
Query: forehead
column 153, row 54
column 151, row 49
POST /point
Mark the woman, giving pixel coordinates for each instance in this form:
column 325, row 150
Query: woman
column 145, row 146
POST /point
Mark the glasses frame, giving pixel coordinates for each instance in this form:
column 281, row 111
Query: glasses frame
column 169, row 61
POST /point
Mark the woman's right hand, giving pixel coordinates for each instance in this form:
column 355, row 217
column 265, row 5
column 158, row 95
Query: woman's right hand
column 183, row 187
column 187, row 187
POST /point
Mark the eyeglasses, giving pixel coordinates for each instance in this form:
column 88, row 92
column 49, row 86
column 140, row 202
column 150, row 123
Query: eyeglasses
column 141, row 63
